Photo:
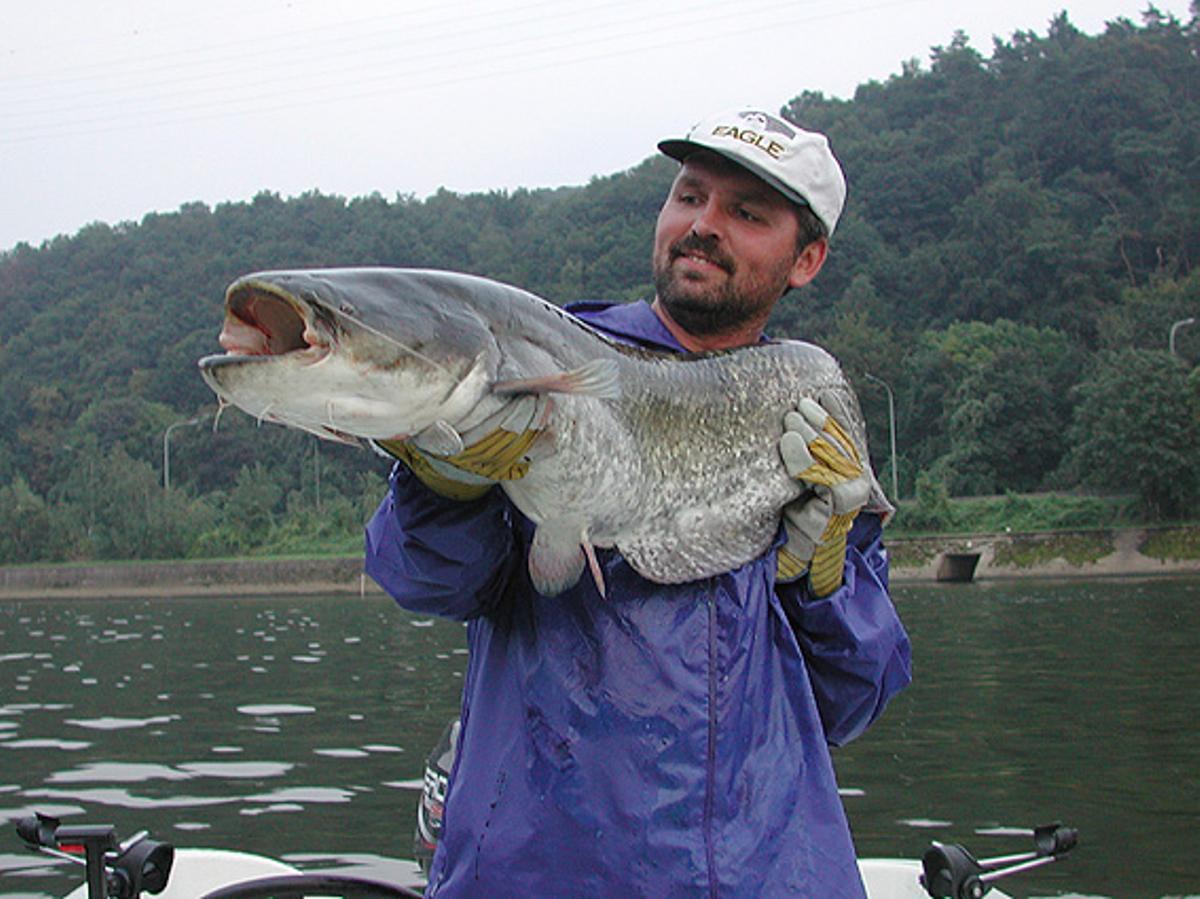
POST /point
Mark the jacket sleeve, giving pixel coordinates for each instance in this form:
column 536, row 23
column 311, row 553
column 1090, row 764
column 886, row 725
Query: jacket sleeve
column 857, row 651
column 438, row 556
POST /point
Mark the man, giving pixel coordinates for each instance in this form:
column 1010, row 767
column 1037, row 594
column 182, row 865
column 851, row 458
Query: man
column 663, row 740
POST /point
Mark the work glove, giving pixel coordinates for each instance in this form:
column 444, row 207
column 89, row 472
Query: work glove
column 464, row 466
column 818, row 452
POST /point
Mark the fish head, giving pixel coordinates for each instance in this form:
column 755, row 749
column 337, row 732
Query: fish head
column 353, row 353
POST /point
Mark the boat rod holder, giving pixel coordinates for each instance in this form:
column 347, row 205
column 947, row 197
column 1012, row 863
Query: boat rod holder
column 951, row 872
column 121, row 870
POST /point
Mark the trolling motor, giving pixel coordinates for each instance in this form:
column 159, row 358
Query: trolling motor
column 951, row 872
column 122, row 870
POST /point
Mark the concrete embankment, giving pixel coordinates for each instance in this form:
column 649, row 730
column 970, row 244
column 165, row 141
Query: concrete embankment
column 1092, row 553
column 1084, row 553
column 241, row 577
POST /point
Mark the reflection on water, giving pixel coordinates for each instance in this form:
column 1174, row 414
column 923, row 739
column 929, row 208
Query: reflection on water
column 1039, row 702
column 297, row 727
column 280, row 725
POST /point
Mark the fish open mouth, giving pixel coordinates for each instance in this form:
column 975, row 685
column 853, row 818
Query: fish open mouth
column 261, row 321
column 264, row 323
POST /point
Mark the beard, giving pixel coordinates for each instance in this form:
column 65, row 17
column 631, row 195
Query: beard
column 707, row 310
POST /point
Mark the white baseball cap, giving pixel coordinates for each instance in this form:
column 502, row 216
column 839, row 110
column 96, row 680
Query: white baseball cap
column 797, row 163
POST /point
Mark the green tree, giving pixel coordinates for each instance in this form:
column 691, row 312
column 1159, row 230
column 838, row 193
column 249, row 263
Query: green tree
column 25, row 527
column 932, row 511
column 988, row 404
column 1144, row 316
column 123, row 512
column 250, row 509
column 1137, row 430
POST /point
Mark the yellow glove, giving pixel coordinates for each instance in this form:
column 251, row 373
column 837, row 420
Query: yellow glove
column 465, row 466
column 817, row 451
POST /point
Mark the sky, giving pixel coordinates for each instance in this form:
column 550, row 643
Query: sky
column 109, row 111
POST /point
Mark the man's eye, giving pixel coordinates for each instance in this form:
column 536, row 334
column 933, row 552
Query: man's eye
column 747, row 215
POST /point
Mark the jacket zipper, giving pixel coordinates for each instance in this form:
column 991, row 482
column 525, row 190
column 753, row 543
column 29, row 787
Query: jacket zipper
column 711, row 762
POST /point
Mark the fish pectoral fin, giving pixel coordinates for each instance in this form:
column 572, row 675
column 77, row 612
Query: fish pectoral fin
column 599, row 378
column 556, row 558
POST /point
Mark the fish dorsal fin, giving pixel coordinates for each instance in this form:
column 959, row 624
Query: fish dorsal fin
column 599, row 378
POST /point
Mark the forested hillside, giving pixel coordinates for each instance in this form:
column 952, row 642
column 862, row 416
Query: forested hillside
column 1021, row 234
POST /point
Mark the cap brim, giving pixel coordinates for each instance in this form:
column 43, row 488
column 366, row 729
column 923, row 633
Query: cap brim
column 679, row 150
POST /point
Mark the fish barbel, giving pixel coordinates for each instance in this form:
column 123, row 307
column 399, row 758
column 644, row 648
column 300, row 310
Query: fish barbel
column 672, row 459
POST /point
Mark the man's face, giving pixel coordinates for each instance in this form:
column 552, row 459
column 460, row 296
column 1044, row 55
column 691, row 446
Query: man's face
column 724, row 247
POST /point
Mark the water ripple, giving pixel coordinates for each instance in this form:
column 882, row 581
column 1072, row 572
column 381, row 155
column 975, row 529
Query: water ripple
column 110, row 723
column 271, row 809
column 249, row 770
column 272, row 709
column 125, row 799
column 66, row 745
column 320, row 795
column 140, row 772
column 116, row 772
column 338, row 753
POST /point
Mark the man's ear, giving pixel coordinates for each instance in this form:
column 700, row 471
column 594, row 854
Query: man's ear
column 809, row 262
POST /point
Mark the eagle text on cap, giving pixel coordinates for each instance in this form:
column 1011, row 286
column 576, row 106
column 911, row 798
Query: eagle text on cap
column 767, row 144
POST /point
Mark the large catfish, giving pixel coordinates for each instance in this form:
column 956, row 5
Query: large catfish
column 672, row 459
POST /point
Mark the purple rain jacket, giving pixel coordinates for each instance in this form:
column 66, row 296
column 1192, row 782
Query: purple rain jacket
column 665, row 740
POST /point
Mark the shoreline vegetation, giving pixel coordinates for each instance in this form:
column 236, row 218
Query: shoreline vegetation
column 1039, row 535
column 1085, row 553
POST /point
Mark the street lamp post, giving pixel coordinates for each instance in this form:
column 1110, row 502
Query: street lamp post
column 891, row 432
column 167, row 447
column 317, row 471
column 1182, row 323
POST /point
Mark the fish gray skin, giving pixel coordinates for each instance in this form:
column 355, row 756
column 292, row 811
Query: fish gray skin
column 672, row 459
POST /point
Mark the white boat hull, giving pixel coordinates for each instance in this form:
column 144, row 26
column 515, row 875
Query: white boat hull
column 199, row 871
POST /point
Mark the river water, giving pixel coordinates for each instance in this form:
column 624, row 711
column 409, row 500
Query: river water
column 297, row 727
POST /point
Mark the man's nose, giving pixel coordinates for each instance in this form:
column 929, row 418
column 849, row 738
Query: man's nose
column 707, row 221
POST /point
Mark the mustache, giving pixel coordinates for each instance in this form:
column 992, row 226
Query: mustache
column 703, row 246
